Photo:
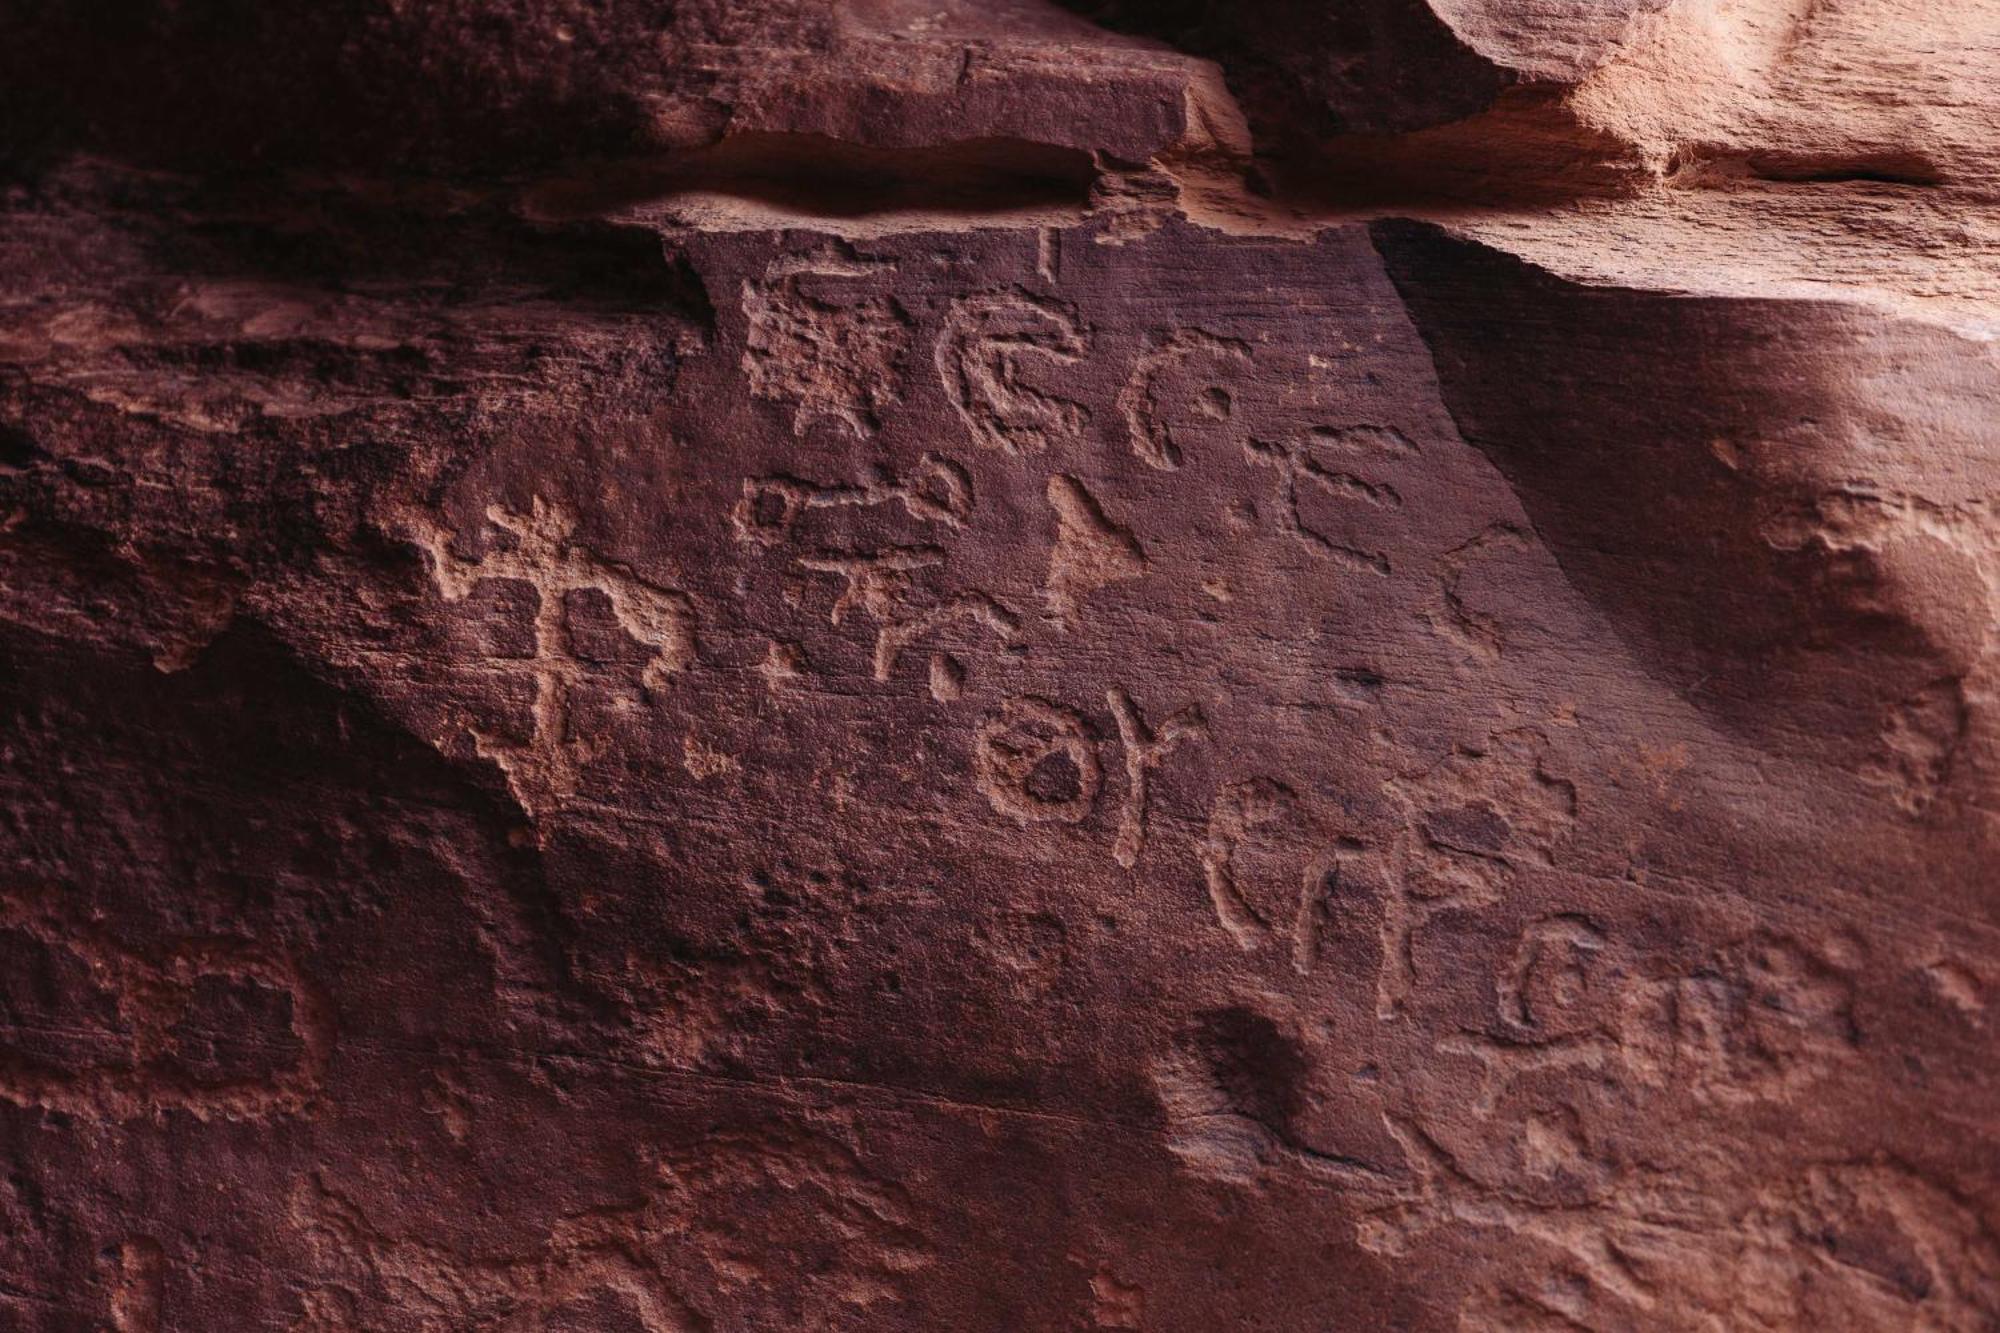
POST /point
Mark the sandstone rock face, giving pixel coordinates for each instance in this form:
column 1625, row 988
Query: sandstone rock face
column 874, row 665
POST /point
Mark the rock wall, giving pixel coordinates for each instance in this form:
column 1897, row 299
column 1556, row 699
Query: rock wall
column 888, row 665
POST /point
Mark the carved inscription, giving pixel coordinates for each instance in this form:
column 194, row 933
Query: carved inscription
column 820, row 339
column 1090, row 550
column 138, row 1281
column 1471, row 824
column 1759, row 1020
column 1756, row 1020
column 1478, row 632
column 1242, row 814
column 1319, row 501
column 1142, row 402
column 1145, row 750
column 1711, row 1248
column 938, row 491
column 539, row 549
column 1260, row 829
column 1037, row 763
column 1468, row 827
column 168, row 1046
column 984, row 357
column 879, row 586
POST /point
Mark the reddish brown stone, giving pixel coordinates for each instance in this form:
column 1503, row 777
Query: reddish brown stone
column 893, row 666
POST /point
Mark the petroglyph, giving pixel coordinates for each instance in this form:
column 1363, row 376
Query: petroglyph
column 599, row 1253
column 1920, row 738
column 1301, row 471
column 983, row 358
column 1090, row 550
column 819, row 338
column 1145, row 750
column 1036, row 762
column 1260, row 829
column 783, row 664
column 539, row 549
column 1167, row 357
column 163, row 1050
column 938, row 491
column 879, row 587
column 1760, row 1019
column 1479, row 633
column 1866, row 1245
column 1239, row 811
column 769, row 1218
column 138, row 1283
column 1472, row 824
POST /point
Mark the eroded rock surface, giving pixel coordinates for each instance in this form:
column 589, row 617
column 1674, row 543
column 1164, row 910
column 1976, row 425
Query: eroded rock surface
column 1023, row 666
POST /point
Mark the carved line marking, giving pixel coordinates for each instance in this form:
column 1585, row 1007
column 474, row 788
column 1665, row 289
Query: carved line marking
column 545, row 556
column 940, row 491
column 1295, row 465
column 979, row 360
column 1151, row 437
column 831, row 359
column 1540, row 941
column 1145, row 750
column 1012, row 745
column 584, row 1256
column 947, row 678
column 1469, row 824
column 975, row 608
column 138, row 1286
column 1240, row 809
column 1324, row 876
column 1480, row 633
column 1090, row 550
column 878, row 585
column 150, row 998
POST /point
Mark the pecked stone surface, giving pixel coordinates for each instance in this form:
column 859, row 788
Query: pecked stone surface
column 677, row 667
